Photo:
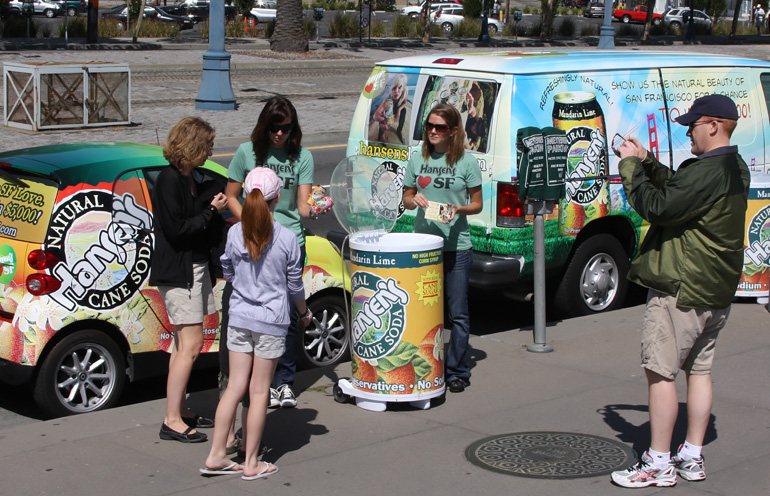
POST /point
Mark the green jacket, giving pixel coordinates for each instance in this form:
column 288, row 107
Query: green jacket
column 694, row 247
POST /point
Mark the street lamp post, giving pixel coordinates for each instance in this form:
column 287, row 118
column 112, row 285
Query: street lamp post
column 216, row 92
column 606, row 32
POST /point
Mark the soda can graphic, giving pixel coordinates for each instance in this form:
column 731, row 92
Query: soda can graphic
column 580, row 115
column 397, row 342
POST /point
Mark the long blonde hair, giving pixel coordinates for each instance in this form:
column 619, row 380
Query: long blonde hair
column 453, row 119
column 257, row 223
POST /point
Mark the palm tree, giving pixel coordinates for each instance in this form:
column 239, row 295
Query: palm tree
column 736, row 16
column 289, row 34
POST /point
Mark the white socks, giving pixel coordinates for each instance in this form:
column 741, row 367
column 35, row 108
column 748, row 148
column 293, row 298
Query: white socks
column 689, row 451
column 660, row 460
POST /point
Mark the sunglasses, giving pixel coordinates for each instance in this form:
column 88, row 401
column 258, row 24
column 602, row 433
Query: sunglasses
column 693, row 125
column 440, row 128
column 284, row 128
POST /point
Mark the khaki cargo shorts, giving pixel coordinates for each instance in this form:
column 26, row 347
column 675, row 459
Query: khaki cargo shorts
column 675, row 338
column 189, row 306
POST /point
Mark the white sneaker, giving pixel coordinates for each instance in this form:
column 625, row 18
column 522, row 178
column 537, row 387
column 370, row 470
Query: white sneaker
column 275, row 398
column 645, row 474
column 287, row 396
column 691, row 470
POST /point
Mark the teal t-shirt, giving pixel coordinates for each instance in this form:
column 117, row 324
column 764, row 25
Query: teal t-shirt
column 293, row 173
column 444, row 184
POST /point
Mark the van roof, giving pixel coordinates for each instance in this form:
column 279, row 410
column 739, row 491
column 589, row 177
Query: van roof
column 88, row 163
column 540, row 62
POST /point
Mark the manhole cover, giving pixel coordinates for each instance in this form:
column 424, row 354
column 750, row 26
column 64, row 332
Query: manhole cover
column 550, row 455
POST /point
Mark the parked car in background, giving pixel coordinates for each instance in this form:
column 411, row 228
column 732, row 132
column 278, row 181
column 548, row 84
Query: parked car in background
column 38, row 7
column 120, row 12
column 639, row 14
column 263, row 11
column 196, row 10
column 71, row 7
column 594, row 9
column 78, row 317
column 415, row 11
column 449, row 18
column 676, row 19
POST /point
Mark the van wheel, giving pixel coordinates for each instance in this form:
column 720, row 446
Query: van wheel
column 83, row 373
column 626, row 19
column 326, row 341
column 595, row 279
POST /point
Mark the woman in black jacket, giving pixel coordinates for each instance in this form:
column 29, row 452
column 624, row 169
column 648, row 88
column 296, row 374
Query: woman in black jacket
column 183, row 228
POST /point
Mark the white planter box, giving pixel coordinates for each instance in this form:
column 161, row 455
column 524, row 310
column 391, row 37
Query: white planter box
column 61, row 96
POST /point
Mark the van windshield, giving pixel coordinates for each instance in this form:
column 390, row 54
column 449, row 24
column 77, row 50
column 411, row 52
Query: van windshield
column 26, row 204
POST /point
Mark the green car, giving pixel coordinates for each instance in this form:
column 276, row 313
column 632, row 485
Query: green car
column 77, row 314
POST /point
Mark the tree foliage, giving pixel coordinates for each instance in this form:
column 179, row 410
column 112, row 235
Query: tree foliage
column 472, row 8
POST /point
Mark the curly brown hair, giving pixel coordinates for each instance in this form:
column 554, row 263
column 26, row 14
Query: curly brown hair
column 189, row 143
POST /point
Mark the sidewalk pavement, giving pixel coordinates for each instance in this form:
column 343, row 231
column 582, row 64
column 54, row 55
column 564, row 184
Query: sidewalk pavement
column 591, row 384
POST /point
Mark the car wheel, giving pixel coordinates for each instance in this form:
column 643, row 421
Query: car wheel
column 675, row 27
column 492, row 28
column 414, row 15
column 326, row 341
column 626, row 19
column 595, row 279
column 49, row 13
column 655, row 22
column 83, row 373
column 72, row 12
column 447, row 27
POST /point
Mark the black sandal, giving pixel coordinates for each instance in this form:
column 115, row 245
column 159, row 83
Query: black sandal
column 198, row 422
column 168, row 434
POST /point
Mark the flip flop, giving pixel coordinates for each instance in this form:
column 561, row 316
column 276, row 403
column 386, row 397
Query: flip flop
column 230, row 469
column 262, row 474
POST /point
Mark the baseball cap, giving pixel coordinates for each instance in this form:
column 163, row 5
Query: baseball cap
column 718, row 106
column 265, row 180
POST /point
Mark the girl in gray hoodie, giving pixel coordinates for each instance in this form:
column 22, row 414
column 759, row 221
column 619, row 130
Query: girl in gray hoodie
column 262, row 261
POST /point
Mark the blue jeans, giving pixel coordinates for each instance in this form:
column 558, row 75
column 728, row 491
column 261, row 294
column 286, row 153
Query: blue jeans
column 457, row 269
column 287, row 364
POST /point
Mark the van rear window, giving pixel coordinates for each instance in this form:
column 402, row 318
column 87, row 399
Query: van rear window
column 26, row 204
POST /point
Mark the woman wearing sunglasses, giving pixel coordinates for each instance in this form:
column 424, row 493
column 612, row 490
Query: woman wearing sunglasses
column 445, row 174
column 276, row 144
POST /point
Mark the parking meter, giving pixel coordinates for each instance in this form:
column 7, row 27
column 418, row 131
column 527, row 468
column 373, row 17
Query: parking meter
column 517, row 15
column 541, row 163
column 27, row 8
column 318, row 14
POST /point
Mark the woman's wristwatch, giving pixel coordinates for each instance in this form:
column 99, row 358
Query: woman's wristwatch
column 306, row 314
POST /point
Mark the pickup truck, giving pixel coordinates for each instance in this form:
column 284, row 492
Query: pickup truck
column 639, row 14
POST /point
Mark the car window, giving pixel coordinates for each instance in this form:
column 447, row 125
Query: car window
column 474, row 99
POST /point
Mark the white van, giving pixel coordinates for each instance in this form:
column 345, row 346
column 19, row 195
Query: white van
column 596, row 97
